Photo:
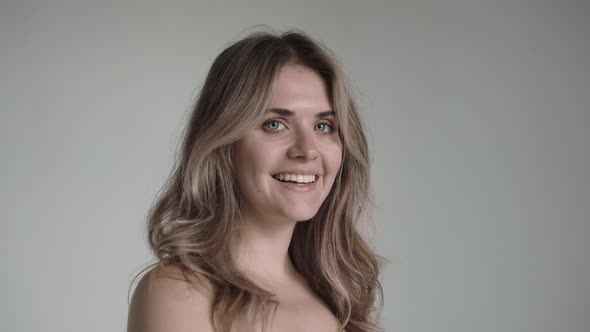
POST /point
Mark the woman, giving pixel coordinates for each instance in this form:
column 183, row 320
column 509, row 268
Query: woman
column 257, row 228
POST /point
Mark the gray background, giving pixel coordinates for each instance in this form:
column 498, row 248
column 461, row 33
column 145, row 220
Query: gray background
column 477, row 116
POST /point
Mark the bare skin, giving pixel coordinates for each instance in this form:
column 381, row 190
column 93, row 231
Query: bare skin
column 161, row 302
column 300, row 309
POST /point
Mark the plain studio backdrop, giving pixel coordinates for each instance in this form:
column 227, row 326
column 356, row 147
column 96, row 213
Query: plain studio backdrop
column 478, row 119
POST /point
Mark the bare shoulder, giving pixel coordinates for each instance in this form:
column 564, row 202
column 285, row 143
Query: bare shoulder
column 164, row 301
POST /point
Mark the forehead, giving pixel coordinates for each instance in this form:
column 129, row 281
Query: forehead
column 297, row 87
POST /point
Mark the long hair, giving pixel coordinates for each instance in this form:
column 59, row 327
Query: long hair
column 198, row 211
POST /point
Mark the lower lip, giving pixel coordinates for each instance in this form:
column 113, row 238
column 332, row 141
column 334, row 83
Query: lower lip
column 298, row 186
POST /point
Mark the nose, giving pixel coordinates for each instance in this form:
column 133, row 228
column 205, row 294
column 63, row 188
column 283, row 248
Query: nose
column 303, row 146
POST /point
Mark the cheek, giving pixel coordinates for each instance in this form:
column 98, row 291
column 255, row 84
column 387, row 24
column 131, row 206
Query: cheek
column 242, row 162
column 333, row 156
column 252, row 161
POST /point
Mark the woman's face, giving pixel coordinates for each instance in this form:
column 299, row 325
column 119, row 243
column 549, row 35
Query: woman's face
column 297, row 141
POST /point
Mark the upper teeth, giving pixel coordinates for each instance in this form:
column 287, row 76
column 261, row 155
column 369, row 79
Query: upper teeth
column 296, row 178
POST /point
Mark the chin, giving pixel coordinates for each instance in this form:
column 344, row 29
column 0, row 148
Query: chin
column 302, row 215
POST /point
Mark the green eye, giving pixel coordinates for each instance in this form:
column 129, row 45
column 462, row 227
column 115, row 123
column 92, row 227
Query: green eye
column 325, row 127
column 273, row 125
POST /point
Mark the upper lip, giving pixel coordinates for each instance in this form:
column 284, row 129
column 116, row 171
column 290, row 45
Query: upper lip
column 298, row 172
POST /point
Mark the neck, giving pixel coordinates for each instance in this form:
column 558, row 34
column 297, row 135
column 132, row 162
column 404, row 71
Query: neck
column 261, row 252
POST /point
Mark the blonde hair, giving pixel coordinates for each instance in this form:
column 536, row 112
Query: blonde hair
column 198, row 210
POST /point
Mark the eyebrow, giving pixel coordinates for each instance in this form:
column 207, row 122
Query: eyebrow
column 286, row 112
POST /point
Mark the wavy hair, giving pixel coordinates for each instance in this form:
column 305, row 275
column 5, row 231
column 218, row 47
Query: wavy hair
column 197, row 212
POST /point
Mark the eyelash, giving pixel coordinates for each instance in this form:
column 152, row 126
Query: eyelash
column 264, row 125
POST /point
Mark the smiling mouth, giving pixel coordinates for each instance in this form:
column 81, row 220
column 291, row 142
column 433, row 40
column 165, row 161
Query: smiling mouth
column 296, row 179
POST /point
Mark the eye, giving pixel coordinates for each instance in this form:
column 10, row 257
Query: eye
column 325, row 127
column 273, row 125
